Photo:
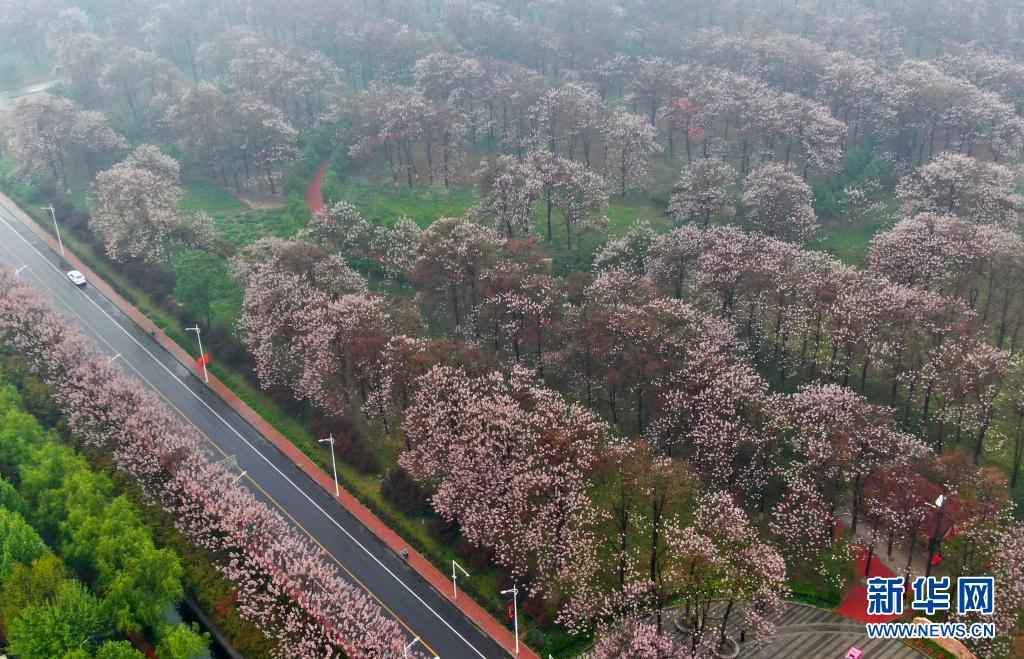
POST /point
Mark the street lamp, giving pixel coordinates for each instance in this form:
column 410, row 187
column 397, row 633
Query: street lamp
column 514, row 591
column 53, row 214
column 455, row 590
column 17, row 273
column 334, row 466
column 936, row 540
column 113, row 359
column 405, row 650
column 202, row 355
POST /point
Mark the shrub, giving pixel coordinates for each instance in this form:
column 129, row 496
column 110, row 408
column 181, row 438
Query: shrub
column 405, row 493
column 445, row 532
column 37, row 401
column 227, row 348
column 156, row 280
column 478, row 558
column 347, row 444
column 538, row 610
column 284, row 398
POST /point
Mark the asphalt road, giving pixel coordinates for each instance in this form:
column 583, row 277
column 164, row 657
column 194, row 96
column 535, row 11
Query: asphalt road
column 360, row 557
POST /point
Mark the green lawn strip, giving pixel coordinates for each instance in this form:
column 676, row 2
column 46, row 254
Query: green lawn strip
column 826, row 583
column 245, row 227
column 623, row 211
column 382, row 203
column 203, row 195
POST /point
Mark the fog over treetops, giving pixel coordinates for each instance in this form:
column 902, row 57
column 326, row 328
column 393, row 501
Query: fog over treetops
column 670, row 312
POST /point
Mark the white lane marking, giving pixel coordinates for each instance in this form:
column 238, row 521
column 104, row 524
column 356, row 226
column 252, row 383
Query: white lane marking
column 250, row 445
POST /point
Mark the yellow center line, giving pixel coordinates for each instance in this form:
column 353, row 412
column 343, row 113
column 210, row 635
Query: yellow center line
column 192, row 423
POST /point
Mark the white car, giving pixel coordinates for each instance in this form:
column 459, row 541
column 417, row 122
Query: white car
column 76, row 277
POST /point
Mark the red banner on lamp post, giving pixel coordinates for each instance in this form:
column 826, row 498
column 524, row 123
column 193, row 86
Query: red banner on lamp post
column 204, row 360
column 511, row 613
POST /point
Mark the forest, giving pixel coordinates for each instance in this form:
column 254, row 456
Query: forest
column 670, row 312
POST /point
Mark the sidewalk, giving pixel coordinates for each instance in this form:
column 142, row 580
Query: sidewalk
column 898, row 561
column 440, row 582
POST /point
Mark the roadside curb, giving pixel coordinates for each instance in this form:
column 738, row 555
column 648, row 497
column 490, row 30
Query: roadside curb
column 424, row 568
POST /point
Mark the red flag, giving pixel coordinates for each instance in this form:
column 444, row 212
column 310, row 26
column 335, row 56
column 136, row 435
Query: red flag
column 936, row 559
column 204, row 360
column 511, row 611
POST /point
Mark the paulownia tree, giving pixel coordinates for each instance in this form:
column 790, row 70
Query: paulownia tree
column 267, row 142
column 49, row 134
column 453, row 257
column 629, row 144
column 512, row 190
column 704, row 191
column 719, row 561
column 510, row 461
column 971, row 189
column 577, row 192
column 839, row 439
column 778, row 203
column 135, row 212
column 636, row 638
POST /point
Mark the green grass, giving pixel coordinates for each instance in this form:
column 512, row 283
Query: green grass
column 824, row 583
column 215, row 200
column 235, row 221
column 623, row 211
column 17, row 73
column 849, row 242
column 13, row 187
column 382, row 202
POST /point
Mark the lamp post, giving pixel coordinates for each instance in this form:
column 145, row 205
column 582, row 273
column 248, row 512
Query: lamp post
column 17, row 273
column 936, row 540
column 514, row 591
column 53, row 214
column 405, row 649
column 455, row 590
column 334, row 466
column 202, row 355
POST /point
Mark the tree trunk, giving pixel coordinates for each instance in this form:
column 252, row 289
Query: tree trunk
column 549, row 217
column 725, row 621
column 1018, row 451
column 622, row 174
